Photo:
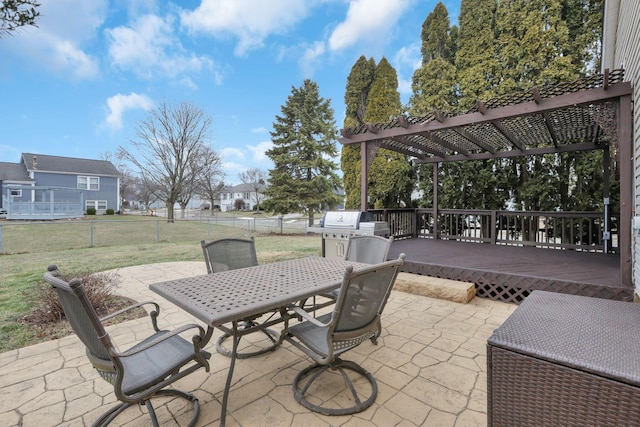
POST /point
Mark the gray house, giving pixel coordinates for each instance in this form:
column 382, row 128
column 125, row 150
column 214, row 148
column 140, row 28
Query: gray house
column 53, row 187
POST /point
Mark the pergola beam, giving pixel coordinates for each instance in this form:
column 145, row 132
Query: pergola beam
column 569, row 148
column 595, row 95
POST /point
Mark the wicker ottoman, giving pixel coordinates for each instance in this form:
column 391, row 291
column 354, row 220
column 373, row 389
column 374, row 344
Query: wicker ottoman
column 565, row 360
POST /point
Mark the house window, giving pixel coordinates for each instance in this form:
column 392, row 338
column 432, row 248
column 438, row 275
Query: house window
column 100, row 205
column 89, row 182
column 247, row 196
column 15, row 192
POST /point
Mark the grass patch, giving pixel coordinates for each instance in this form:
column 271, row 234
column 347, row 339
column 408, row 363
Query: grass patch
column 22, row 271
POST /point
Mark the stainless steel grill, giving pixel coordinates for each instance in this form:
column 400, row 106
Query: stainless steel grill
column 337, row 226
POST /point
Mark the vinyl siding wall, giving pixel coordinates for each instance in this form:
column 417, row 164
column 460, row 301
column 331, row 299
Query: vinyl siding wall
column 108, row 187
column 627, row 56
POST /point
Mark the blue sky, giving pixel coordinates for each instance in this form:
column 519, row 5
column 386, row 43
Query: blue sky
column 79, row 84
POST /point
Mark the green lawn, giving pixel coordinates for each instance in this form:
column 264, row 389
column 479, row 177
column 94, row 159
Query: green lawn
column 122, row 244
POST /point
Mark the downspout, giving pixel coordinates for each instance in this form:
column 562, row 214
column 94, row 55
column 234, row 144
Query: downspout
column 609, row 34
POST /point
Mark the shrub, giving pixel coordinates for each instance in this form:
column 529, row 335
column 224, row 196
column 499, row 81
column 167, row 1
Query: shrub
column 91, row 211
column 110, row 211
column 98, row 287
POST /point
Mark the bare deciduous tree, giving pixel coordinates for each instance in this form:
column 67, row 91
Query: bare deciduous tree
column 167, row 150
column 206, row 165
column 127, row 176
column 256, row 178
column 211, row 180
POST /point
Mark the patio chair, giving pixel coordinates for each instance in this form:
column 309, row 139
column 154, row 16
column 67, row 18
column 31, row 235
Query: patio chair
column 369, row 249
column 355, row 319
column 141, row 372
column 230, row 254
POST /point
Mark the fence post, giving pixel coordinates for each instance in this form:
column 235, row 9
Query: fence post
column 158, row 230
column 280, row 219
column 0, row 238
column 91, row 234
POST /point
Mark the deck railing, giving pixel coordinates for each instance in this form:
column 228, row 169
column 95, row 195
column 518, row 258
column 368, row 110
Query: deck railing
column 580, row 231
column 44, row 210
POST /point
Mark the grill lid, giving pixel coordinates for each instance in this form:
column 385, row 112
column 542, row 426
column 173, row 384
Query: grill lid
column 343, row 219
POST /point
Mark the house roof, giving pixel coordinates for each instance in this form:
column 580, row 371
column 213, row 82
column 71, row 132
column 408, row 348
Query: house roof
column 243, row 188
column 13, row 172
column 572, row 116
column 44, row 163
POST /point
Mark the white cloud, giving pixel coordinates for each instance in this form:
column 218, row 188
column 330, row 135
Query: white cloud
column 231, row 171
column 231, row 152
column 258, row 151
column 150, row 48
column 368, row 22
column 311, row 58
column 406, row 61
column 57, row 44
column 249, row 21
column 119, row 104
column 260, row 130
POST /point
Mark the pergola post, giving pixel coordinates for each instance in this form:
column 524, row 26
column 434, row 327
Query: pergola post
column 367, row 153
column 436, row 229
column 364, row 177
column 625, row 156
column 606, row 192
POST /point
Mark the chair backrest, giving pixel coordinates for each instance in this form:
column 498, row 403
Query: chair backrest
column 83, row 318
column 368, row 249
column 229, row 254
column 363, row 296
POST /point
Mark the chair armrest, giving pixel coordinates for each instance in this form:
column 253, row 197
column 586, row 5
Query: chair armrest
column 304, row 314
column 154, row 313
column 197, row 339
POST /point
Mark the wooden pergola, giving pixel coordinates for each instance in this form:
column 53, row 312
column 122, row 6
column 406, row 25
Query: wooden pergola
column 592, row 113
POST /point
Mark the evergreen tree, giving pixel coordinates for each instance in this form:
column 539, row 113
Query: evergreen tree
column 532, row 38
column 355, row 99
column 435, row 35
column 475, row 60
column 584, row 22
column 303, row 178
column 391, row 177
column 434, row 83
column 434, row 88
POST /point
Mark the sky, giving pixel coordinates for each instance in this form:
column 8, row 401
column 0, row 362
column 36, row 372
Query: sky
column 79, row 84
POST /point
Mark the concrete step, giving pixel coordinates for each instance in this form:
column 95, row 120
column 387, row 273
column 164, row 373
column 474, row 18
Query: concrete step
column 435, row 287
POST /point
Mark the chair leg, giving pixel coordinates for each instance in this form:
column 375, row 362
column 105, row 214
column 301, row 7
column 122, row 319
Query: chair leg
column 313, row 372
column 272, row 336
column 112, row 413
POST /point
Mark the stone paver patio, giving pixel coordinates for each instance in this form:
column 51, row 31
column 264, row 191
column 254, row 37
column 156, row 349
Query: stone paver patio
column 429, row 363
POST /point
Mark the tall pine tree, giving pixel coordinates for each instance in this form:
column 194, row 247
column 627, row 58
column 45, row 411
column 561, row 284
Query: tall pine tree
column 391, row 177
column 355, row 99
column 304, row 178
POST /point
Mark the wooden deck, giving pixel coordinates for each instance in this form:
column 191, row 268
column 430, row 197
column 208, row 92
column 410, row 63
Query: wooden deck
column 510, row 273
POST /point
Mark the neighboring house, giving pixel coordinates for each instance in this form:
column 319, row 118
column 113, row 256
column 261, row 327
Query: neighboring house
column 244, row 192
column 621, row 49
column 48, row 187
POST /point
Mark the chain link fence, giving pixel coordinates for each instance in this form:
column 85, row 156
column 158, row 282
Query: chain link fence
column 25, row 237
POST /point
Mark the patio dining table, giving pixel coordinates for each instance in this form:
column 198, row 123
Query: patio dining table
column 222, row 300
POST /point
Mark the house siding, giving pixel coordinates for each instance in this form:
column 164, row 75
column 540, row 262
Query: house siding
column 108, row 187
column 625, row 14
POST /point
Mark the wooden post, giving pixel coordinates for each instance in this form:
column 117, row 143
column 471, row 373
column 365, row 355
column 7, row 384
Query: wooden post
column 364, row 177
column 625, row 141
column 606, row 166
column 436, row 234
